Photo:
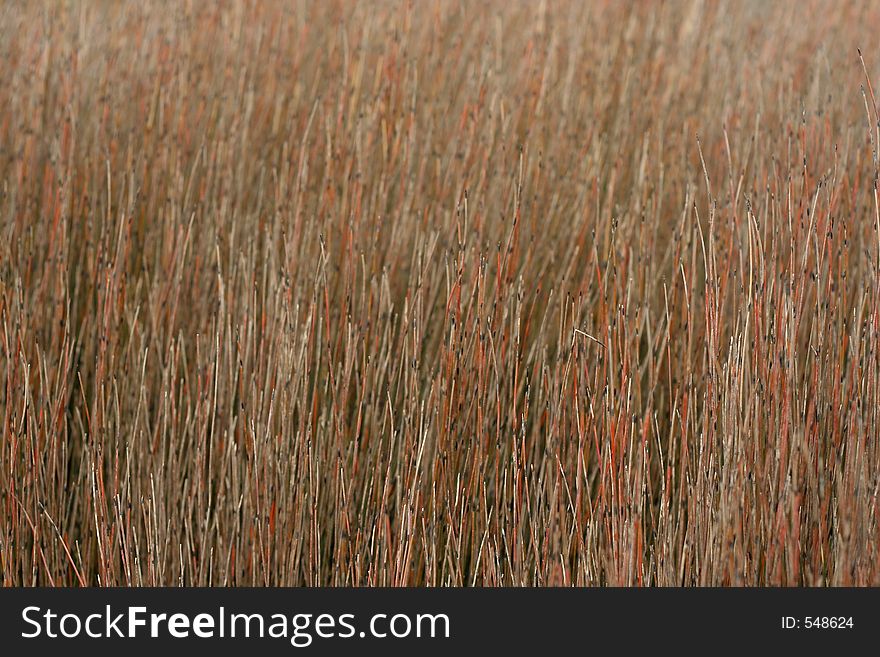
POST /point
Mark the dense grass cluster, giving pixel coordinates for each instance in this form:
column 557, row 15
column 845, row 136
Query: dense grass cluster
column 439, row 293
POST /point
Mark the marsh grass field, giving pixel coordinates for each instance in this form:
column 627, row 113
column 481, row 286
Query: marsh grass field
column 439, row 293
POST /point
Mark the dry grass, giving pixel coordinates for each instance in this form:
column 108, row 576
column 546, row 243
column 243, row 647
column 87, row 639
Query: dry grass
column 439, row 293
